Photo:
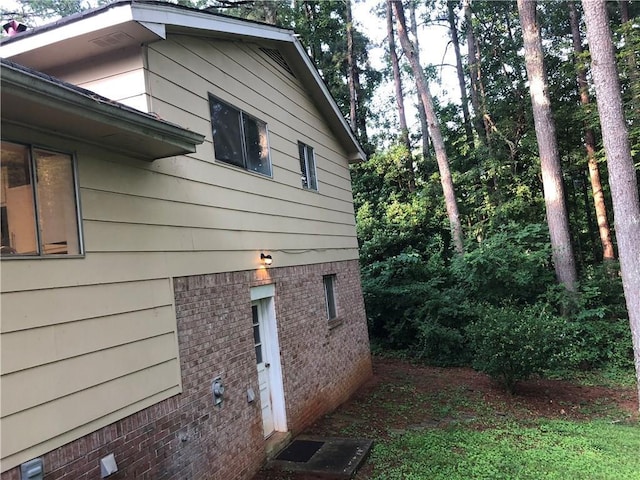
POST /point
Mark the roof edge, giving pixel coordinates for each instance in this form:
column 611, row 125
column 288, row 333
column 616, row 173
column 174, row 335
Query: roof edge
column 168, row 14
column 50, row 90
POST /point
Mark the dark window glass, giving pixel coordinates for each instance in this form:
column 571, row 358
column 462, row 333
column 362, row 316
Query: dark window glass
column 239, row 139
column 227, row 133
column 307, row 166
column 19, row 235
column 256, row 334
column 255, row 133
column 329, row 291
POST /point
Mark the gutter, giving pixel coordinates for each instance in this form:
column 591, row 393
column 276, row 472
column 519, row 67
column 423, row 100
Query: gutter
column 46, row 90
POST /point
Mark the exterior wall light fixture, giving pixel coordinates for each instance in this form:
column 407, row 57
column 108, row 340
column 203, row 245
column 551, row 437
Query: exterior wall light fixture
column 266, row 259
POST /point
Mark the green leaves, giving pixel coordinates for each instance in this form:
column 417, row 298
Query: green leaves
column 511, row 343
column 512, row 264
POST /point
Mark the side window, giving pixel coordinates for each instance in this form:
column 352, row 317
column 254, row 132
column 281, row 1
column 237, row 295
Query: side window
column 238, row 138
column 329, row 294
column 39, row 204
column 307, row 166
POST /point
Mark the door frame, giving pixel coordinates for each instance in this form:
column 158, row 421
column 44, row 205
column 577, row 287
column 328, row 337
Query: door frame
column 265, row 295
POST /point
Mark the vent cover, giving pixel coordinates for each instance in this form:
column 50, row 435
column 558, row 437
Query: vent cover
column 277, row 57
column 111, row 40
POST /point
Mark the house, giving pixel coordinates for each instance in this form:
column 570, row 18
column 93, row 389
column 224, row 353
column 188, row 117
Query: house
column 180, row 288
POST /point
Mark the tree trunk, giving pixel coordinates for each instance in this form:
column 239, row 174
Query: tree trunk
column 554, row 199
column 351, row 66
column 434, row 127
column 270, row 10
column 634, row 71
column 622, row 175
column 397, row 80
column 474, row 74
column 453, row 29
column 314, row 45
column 590, row 142
column 361, row 120
column 422, row 115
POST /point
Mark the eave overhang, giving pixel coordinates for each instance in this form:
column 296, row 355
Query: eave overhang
column 44, row 103
column 132, row 22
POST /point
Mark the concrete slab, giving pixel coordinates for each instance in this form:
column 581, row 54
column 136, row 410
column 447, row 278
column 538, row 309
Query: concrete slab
column 326, row 457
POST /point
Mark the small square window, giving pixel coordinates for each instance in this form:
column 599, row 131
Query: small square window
column 238, row 138
column 329, row 294
column 308, row 166
column 39, row 202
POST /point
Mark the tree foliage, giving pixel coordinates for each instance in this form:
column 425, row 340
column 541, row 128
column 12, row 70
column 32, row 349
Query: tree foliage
column 424, row 300
column 500, row 295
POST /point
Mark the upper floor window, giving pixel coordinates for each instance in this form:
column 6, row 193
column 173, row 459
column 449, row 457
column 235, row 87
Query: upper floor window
column 238, row 138
column 39, row 208
column 308, row 166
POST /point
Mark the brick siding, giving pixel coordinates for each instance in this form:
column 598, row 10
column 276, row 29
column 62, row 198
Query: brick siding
column 186, row 437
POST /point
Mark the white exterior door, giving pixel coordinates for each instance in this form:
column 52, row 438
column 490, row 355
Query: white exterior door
column 267, row 351
column 263, row 365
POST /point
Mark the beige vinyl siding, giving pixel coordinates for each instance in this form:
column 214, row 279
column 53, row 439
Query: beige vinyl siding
column 86, row 341
column 71, row 357
column 182, row 72
column 47, row 426
column 118, row 76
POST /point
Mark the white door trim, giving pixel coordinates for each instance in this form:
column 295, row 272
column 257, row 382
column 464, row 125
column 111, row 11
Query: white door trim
column 263, row 291
column 265, row 295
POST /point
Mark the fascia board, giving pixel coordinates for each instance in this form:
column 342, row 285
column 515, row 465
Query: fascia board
column 158, row 28
column 358, row 154
column 154, row 13
column 160, row 14
column 113, row 16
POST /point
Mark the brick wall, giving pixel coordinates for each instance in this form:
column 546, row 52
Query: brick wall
column 186, row 436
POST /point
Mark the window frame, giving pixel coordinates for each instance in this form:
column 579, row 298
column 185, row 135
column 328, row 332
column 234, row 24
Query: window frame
column 242, row 116
column 31, row 148
column 331, row 305
column 303, row 150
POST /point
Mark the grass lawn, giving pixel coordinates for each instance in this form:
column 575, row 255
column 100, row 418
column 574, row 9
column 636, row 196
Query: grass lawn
column 454, row 423
column 547, row 449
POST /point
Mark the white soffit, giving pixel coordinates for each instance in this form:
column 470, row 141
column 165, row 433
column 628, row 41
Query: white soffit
column 88, row 25
column 144, row 22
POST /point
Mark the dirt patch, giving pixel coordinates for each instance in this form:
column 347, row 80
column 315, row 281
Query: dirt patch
column 402, row 396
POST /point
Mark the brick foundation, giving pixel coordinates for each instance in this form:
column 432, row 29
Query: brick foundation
column 186, row 436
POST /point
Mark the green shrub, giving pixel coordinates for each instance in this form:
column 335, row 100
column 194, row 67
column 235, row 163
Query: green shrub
column 412, row 306
column 394, row 290
column 598, row 316
column 439, row 344
column 512, row 343
column 512, row 263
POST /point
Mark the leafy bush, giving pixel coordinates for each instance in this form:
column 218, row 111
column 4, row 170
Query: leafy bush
column 439, row 344
column 598, row 316
column 512, row 343
column 513, row 263
column 412, row 306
